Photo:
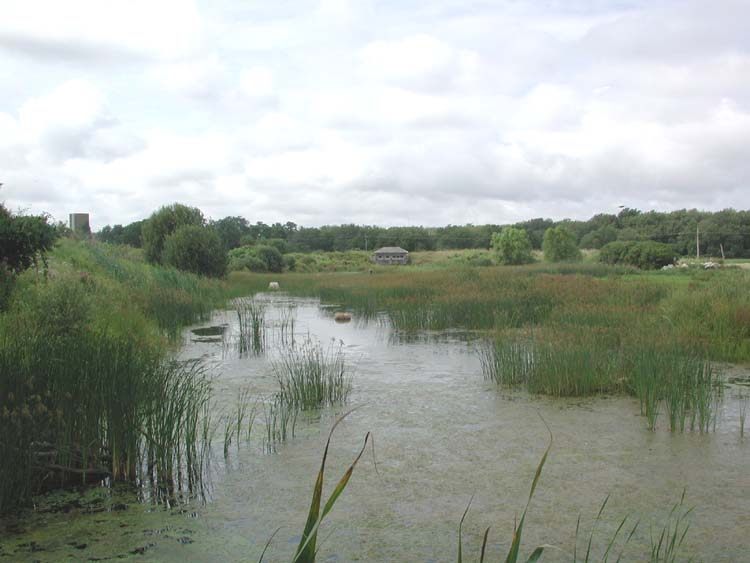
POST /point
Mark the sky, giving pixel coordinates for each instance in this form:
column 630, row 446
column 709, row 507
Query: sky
column 395, row 112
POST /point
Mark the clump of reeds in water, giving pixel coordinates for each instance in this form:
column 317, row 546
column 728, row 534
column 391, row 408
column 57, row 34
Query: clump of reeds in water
column 280, row 421
column 742, row 408
column 251, row 319
column 560, row 366
column 240, row 421
column 686, row 385
column 286, row 324
column 662, row 377
column 311, row 376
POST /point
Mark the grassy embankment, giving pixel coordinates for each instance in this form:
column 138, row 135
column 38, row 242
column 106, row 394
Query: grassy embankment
column 568, row 329
column 88, row 390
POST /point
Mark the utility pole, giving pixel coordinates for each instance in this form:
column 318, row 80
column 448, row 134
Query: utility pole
column 698, row 242
column 365, row 242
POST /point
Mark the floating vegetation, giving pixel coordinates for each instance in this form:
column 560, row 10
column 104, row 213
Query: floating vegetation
column 312, row 377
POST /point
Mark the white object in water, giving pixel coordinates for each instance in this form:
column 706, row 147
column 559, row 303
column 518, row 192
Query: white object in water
column 342, row 317
column 273, row 285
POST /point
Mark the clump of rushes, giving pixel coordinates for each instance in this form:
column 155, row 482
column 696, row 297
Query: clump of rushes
column 312, row 377
column 251, row 319
column 280, row 421
column 743, row 400
column 557, row 363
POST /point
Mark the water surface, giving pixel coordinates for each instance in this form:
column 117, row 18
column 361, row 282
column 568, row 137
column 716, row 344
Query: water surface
column 442, row 435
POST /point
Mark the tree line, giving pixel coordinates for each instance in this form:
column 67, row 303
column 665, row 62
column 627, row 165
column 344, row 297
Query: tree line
column 726, row 231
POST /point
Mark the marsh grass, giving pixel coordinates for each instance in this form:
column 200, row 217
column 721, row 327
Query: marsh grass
column 286, row 322
column 559, row 366
column 663, row 377
column 742, row 402
column 251, row 325
column 312, row 377
column 280, row 421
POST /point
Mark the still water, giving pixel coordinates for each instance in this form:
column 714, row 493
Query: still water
column 442, row 436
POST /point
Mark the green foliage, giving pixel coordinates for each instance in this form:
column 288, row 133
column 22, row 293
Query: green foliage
column 163, row 223
column 646, row 254
column 117, row 234
column 196, row 249
column 24, row 239
column 512, row 246
column 559, row 245
column 257, row 258
column 278, row 243
column 599, row 237
column 231, row 230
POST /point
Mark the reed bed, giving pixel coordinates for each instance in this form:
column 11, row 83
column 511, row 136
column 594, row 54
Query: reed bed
column 88, row 392
column 680, row 383
column 312, row 377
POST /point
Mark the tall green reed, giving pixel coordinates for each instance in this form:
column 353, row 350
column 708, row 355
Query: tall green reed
column 311, row 377
column 251, row 323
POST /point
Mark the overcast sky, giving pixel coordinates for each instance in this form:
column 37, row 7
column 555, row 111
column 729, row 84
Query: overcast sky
column 394, row 112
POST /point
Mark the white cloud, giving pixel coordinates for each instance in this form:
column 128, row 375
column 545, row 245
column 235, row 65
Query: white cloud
column 419, row 62
column 91, row 29
column 331, row 111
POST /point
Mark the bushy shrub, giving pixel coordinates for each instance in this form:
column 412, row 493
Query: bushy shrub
column 512, row 246
column 279, row 244
column 24, row 241
column 196, row 249
column 163, row 223
column 259, row 258
column 641, row 254
column 559, row 245
column 271, row 257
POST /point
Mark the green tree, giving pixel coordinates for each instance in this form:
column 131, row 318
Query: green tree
column 163, row 223
column 645, row 254
column 271, row 257
column 512, row 246
column 196, row 249
column 24, row 241
column 559, row 245
column 231, row 230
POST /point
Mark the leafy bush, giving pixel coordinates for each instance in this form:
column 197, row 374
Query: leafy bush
column 512, row 246
column 279, row 244
column 24, row 240
column 646, row 254
column 258, row 258
column 163, row 223
column 559, row 245
column 599, row 237
column 196, row 249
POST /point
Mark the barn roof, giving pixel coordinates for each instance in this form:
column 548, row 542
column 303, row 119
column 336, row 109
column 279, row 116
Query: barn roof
column 391, row 250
